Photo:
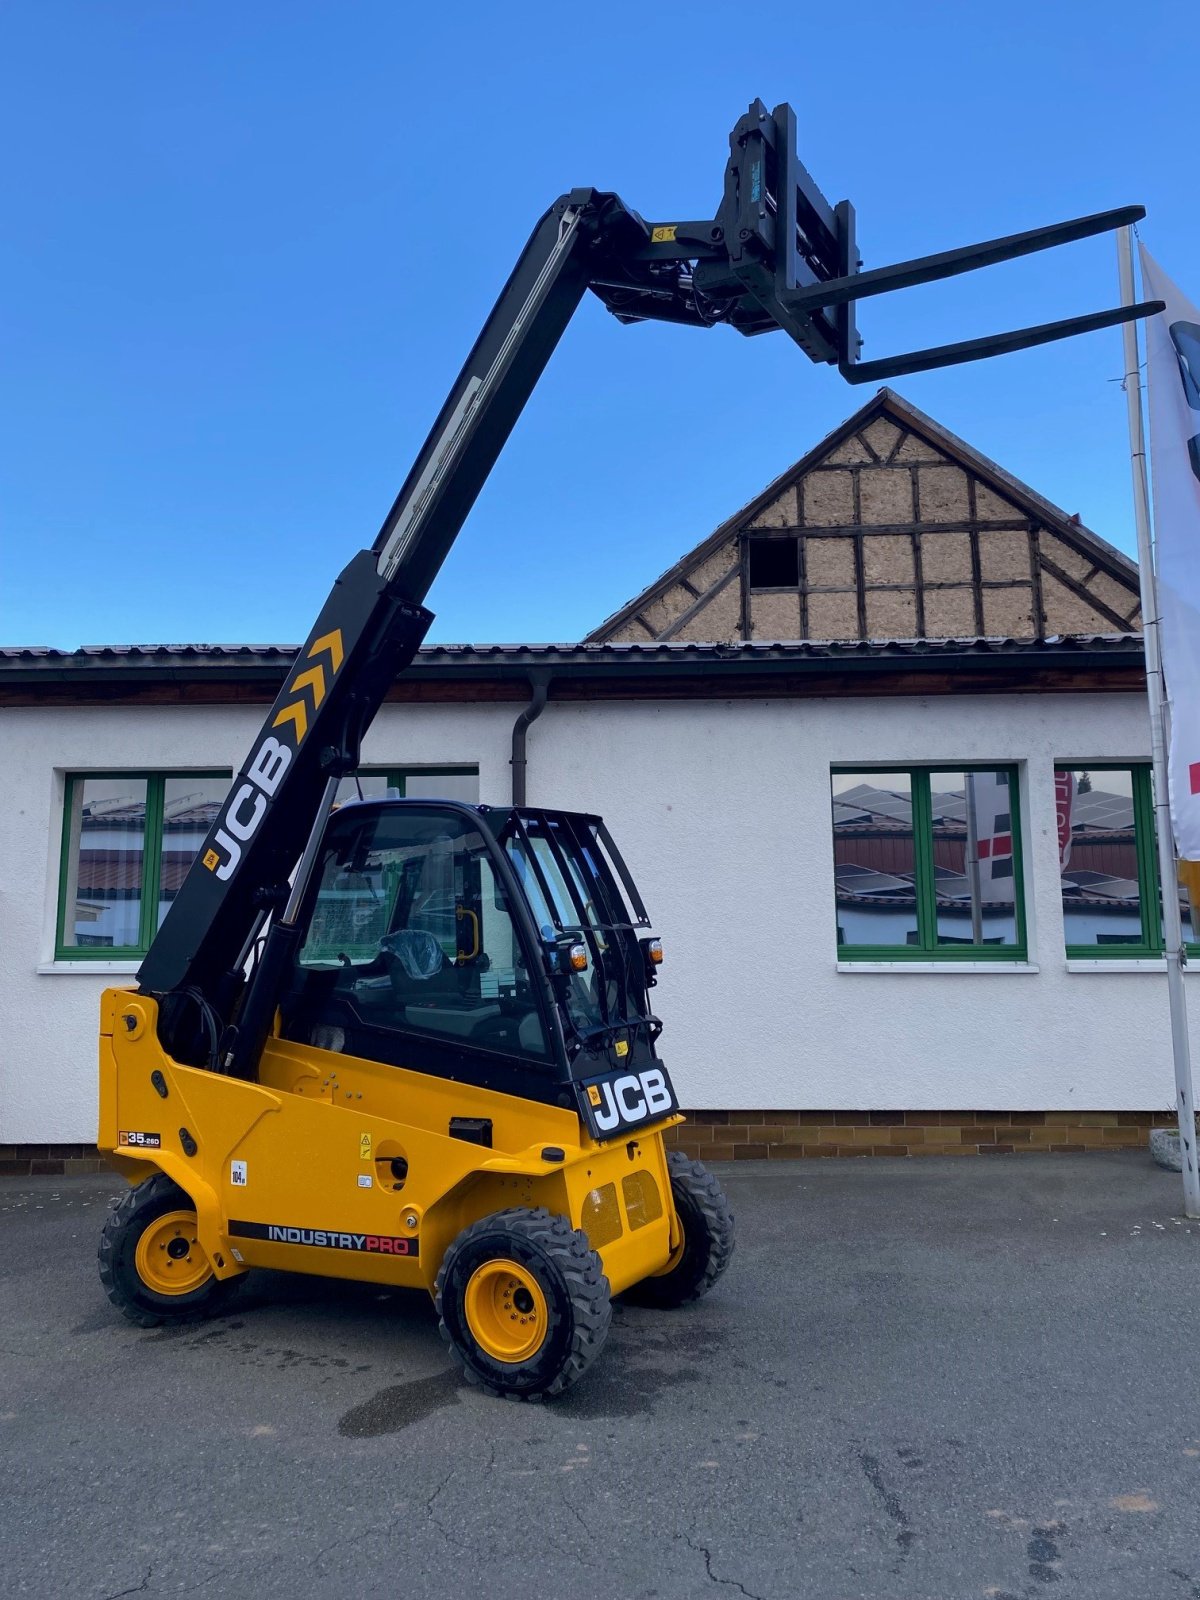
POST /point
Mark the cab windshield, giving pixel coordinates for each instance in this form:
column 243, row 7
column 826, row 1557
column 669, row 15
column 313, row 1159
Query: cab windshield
column 411, row 930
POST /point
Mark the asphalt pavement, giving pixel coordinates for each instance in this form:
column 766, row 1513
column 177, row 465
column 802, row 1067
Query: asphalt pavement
column 935, row 1379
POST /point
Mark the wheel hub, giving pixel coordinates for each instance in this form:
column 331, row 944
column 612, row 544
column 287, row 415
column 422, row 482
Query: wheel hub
column 506, row 1310
column 168, row 1258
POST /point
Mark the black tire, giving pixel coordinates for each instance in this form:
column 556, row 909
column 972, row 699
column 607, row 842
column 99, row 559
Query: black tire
column 575, row 1316
column 707, row 1223
column 117, row 1256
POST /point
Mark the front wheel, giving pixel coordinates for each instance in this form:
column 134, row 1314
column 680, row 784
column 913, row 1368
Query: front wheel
column 523, row 1303
column 151, row 1263
column 703, row 1252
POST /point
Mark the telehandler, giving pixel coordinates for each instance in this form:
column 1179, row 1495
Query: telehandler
column 411, row 1043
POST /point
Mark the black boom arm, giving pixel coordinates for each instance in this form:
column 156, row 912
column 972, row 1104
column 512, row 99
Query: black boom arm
column 777, row 255
column 369, row 628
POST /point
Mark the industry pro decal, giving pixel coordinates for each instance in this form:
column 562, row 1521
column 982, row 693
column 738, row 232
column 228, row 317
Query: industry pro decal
column 380, row 1244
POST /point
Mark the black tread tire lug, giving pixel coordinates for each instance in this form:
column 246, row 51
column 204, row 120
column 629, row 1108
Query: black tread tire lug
column 583, row 1276
column 691, row 1181
column 124, row 1213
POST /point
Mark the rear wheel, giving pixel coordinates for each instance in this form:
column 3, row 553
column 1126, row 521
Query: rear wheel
column 152, row 1264
column 706, row 1244
column 523, row 1303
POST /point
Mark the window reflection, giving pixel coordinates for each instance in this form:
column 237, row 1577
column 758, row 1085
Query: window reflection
column 973, row 857
column 1098, row 857
column 106, row 839
column 925, row 860
column 874, row 858
column 190, row 807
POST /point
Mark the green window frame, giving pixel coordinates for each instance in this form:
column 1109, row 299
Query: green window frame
column 152, row 849
column 926, row 947
column 1145, row 842
column 152, row 845
column 397, row 777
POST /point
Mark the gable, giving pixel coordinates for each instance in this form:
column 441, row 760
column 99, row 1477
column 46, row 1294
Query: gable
column 892, row 528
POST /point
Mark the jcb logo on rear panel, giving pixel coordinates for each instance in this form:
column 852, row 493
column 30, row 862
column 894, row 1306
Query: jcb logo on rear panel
column 247, row 805
column 622, row 1100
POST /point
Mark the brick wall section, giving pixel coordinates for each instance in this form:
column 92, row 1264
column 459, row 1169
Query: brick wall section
column 792, row 1135
column 50, row 1160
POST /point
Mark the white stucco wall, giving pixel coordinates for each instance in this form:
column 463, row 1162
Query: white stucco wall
column 722, row 811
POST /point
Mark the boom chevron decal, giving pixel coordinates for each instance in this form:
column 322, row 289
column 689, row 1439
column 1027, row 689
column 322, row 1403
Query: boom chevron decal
column 247, row 805
column 314, row 679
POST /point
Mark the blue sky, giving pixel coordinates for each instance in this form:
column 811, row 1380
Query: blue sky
column 246, row 248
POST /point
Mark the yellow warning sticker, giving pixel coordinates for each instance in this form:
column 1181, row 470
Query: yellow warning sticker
column 622, row 1047
column 593, row 1094
column 364, row 1147
column 211, row 860
column 663, row 235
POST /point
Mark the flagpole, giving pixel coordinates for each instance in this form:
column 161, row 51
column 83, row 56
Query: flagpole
column 1156, row 696
column 973, row 862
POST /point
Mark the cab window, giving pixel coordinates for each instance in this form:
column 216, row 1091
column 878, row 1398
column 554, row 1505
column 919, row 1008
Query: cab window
column 411, row 930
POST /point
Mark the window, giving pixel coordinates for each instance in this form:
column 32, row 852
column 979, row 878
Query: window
column 1109, row 863
column 927, row 865
column 128, row 841
column 773, row 563
column 411, row 931
column 414, row 783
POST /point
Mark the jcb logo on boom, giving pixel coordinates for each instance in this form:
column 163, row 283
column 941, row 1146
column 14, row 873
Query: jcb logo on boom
column 247, row 804
column 621, row 1102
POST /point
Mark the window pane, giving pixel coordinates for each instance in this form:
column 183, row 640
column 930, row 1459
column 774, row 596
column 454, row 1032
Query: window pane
column 773, row 563
column 106, row 832
column 874, row 861
column 1189, row 922
column 971, row 816
column 411, row 931
column 462, row 786
column 364, row 785
column 190, row 807
column 1098, row 857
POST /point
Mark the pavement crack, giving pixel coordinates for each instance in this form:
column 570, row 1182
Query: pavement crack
column 890, row 1501
column 138, row 1588
column 731, row 1583
column 433, row 1516
column 334, row 1544
column 437, row 1491
column 576, row 1513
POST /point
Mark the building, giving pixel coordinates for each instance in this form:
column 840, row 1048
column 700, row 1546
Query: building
column 876, row 750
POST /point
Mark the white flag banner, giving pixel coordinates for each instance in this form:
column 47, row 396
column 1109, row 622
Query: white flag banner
column 1065, row 785
column 1173, row 367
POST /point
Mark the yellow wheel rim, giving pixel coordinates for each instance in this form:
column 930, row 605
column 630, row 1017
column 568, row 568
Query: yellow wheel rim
column 675, row 1257
column 168, row 1258
column 506, row 1311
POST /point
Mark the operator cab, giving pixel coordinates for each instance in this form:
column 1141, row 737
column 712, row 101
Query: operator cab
column 503, row 947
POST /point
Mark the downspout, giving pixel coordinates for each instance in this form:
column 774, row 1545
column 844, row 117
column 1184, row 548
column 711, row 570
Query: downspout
column 539, row 683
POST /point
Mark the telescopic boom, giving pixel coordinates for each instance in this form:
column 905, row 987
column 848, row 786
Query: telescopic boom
column 776, row 255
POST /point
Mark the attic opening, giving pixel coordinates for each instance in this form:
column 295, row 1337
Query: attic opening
column 773, row 563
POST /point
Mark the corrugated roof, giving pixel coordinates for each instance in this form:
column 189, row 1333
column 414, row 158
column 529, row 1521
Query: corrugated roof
column 467, row 656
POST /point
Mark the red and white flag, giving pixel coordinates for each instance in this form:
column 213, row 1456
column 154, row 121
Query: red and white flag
column 989, row 798
column 1173, row 368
